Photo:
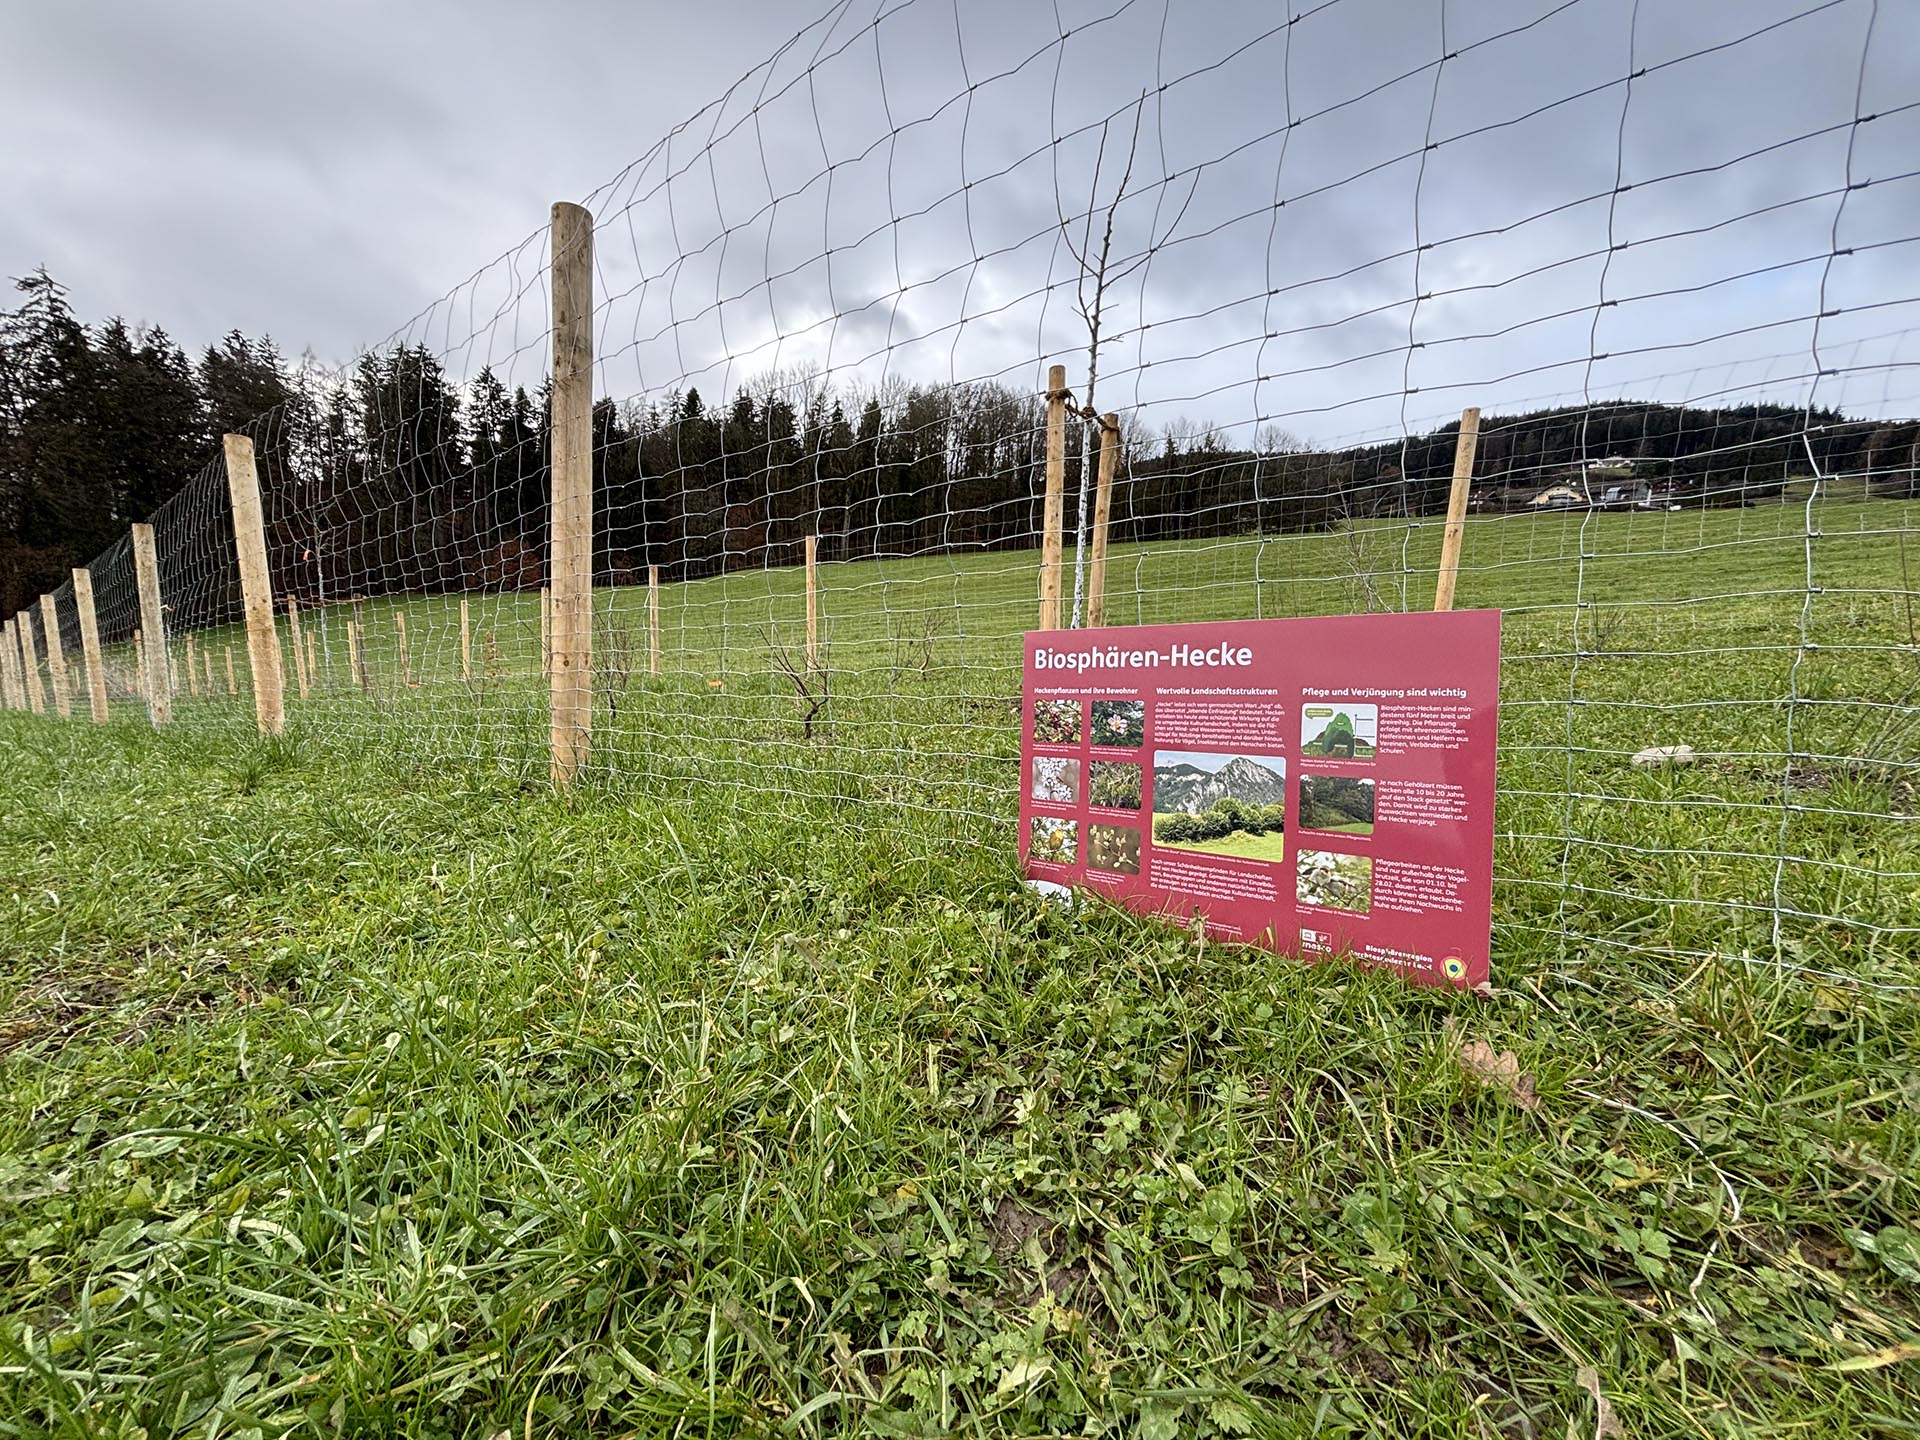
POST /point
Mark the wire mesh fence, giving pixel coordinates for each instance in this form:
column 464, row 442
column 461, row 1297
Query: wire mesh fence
column 1664, row 250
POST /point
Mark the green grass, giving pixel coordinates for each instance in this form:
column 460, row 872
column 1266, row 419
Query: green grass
column 1351, row 827
column 356, row 1083
column 1239, row 844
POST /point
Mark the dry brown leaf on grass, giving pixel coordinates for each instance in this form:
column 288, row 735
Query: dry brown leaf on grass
column 1499, row 1070
column 1605, row 1426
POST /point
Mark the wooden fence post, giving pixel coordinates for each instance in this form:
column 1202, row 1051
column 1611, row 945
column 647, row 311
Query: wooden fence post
column 299, row 648
column 546, row 634
column 206, row 667
column 400, row 633
column 357, row 647
column 813, row 602
column 1463, row 452
column 653, row 617
column 466, row 642
column 193, row 672
column 90, row 644
column 8, row 690
column 353, row 652
column 12, row 683
column 233, row 685
column 56, row 656
column 256, row 587
column 153, row 629
column 139, row 665
column 570, row 544
column 1053, row 517
column 30, row 660
column 313, row 666
column 1102, row 510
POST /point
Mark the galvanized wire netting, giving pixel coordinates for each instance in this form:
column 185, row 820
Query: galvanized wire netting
column 1665, row 250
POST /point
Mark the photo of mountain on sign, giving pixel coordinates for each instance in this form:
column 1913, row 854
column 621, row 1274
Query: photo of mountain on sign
column 1339, row 730
column 1221, row 804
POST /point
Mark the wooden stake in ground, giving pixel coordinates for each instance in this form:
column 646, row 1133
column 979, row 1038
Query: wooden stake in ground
column 353, row 652
column 206, row 666
column 357, row 635
column 1463, row 451
column 9, row 691
column 466, row 642
column 56, row 656
column 233, row 686
column 813, row 602
column 1054, row 516
column 90, row 644
column 406, row 663
column 12, row 683
column 193, row 672
column 153, row 627
column 30, row 652
column 313, row 668
column 653, row 617
column 1102, row 509
column 570, row 544
column 299, row 646
column 256, row 589
column 139, row 667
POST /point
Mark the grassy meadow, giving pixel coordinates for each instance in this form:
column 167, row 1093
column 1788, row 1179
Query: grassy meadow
column 355, row 1082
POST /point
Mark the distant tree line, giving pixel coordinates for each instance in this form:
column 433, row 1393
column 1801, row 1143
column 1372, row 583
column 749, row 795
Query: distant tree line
column 396, row 477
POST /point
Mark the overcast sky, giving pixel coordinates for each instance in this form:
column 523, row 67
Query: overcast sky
column 882, row 199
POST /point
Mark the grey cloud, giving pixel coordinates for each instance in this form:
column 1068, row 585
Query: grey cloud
column 886, row 200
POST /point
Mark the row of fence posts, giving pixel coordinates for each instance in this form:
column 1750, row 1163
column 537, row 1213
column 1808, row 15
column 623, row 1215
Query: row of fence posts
column 566, row 605
column 566, row 610
column 1053, row 514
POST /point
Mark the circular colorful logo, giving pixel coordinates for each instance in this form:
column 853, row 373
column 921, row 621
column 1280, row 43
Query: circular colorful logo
column 1454, row 968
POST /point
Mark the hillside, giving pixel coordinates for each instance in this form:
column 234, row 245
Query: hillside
column 1189, row 789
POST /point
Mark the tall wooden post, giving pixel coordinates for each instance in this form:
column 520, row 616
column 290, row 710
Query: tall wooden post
column 466, row 642
column 1463, row 451
column 299, row 648
column 546, row 634
column 12, row 683
column 139, row 665
column 90, row 644
column 1053, row 517
column 353, row 652
column 30, row 656
column 570, row 619
column 153, row 629
column 256, row 588
column 1102, row 510
column 357, row 647
column 193, row 671
column 653, row 617
column 56, row 656
column 206, row 668
column 813, row 602
column 9, row 682
column 233, row 685
column 313, row 663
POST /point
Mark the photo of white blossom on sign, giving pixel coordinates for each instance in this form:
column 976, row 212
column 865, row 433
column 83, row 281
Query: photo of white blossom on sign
column 1055, row 840
column 1335, row 882
column 1118, row 722
column 1056, row 779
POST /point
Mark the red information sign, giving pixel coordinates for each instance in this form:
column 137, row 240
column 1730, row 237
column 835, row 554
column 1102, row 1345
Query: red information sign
column 1321, row 786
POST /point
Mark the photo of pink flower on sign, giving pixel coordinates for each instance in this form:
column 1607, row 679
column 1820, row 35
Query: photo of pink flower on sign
column 1118, row 722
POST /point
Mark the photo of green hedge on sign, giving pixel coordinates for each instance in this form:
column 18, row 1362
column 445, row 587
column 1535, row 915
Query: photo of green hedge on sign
column 1221, row 804
column 1116, row 784
column 1337, row 804
column 1339, row 729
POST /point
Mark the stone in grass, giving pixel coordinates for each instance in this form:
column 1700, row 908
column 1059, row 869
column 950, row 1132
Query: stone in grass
column 1655, row 755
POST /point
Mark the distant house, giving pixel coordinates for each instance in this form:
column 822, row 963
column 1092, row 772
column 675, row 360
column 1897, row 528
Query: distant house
column 1608, row 484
